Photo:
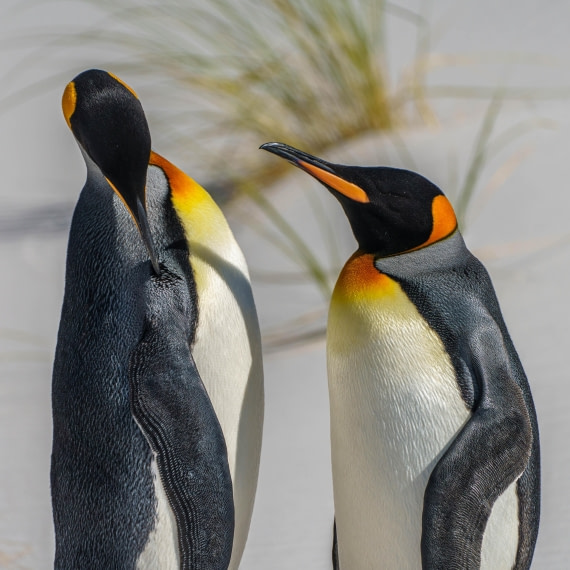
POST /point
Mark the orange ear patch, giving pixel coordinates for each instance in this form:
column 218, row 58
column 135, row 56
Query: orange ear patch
column 348, row 189
column 359, row 279
column 68, row 102
column 444, row 220
column 127, row 87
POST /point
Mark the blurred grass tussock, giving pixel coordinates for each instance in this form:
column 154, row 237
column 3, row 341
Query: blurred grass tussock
column 312, row 73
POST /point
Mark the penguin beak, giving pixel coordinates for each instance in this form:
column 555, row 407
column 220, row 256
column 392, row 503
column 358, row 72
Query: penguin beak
column 141, row 219
column 318, row 168
column 139, row 215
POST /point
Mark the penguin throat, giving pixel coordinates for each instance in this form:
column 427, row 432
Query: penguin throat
column 360, row 280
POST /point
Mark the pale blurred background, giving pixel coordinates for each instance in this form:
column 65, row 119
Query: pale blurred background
column 474, row 95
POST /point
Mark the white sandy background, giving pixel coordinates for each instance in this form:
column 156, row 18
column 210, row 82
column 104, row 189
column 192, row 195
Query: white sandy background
column 519, row 229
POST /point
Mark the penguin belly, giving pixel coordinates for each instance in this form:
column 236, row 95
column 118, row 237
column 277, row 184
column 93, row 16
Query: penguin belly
column 395, row 406
column 161, row 549
column 501, row 536
column 230, row 367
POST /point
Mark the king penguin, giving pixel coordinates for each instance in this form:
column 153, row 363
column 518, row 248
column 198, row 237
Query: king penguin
column 434, row 437
column 141, row 474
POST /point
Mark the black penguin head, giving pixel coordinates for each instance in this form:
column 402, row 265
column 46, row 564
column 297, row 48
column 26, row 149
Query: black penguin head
column 390, row 210
column 108, row 121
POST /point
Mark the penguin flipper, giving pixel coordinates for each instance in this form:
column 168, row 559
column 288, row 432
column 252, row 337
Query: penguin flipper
column 173, row 409
column 491, row 451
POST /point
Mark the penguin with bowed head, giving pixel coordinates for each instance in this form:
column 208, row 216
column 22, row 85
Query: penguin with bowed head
column 144, row 471
column 434, row 436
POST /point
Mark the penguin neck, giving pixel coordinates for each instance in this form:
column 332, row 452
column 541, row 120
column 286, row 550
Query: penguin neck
column 445, row 254
column 210, row 239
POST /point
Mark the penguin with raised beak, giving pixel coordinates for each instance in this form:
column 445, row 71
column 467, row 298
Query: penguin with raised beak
column 434, row 437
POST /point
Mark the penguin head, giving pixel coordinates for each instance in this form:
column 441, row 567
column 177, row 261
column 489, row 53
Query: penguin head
column 390, row 210
column 108, row 121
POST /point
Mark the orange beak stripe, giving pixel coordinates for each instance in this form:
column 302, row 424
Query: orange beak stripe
column 347, row 189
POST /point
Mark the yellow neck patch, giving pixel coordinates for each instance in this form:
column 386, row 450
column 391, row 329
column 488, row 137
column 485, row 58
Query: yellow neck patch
column 360, row 280
column 183, row 188
column 203, row 222
column 212, row 245
column 68, row 102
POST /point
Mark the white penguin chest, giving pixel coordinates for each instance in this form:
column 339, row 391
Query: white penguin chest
column 222, row 349
column 395, row 407
column 227, row 352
